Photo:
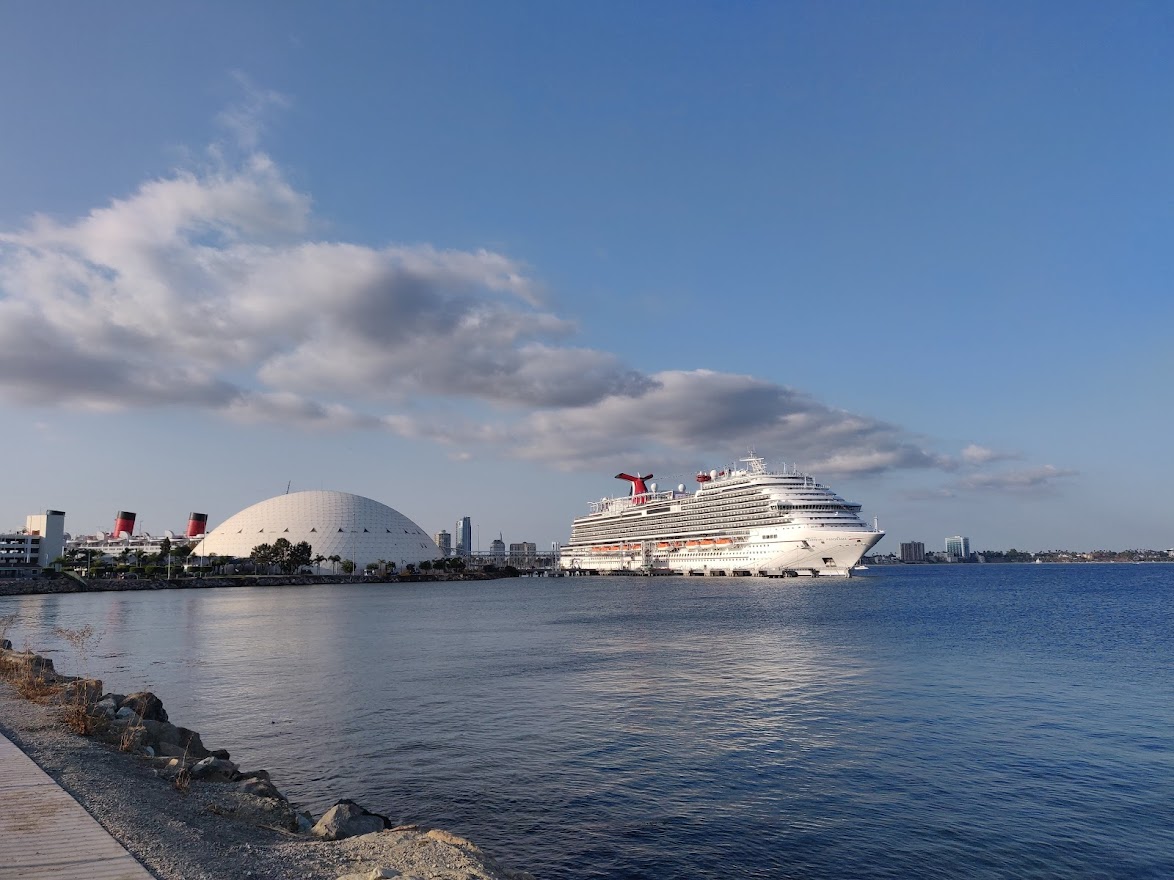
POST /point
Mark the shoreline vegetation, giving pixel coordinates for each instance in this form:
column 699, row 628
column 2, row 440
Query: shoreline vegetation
column 188, row 812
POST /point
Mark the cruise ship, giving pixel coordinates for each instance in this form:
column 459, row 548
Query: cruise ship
column 745, row 520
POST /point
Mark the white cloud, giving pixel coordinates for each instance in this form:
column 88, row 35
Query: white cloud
column 979, row 455
column 245, row 120
column 1034, row 480
column 205, row 289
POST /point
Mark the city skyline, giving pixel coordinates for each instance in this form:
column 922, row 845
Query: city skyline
column 480, row 259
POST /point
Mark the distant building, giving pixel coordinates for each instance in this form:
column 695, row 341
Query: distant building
column 913, row 551
column 444, row 541
column 958, row 547
column 464, row 536
column 25, row 553
column 497, row 550
column 50, row 526
column 523, row 554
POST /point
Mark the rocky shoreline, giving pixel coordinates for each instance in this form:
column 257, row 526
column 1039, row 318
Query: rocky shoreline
column 48, row 585
column 188, row 812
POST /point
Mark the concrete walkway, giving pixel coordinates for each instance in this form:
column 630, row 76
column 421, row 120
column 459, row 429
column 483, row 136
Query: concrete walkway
column 46, row 835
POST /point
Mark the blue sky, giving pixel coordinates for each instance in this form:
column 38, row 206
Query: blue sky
column 473, row 258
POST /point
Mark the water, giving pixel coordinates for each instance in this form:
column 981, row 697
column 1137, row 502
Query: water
column 962, row 721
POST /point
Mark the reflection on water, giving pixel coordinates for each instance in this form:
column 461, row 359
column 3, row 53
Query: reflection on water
column 976, row 721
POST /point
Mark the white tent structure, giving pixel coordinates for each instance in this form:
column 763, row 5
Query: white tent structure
column 333, row 523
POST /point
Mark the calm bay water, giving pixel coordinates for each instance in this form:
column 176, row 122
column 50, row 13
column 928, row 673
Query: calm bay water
column 964, row 721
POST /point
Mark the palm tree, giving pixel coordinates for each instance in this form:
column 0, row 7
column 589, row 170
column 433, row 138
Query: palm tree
column 334, row 560
column 318, row 560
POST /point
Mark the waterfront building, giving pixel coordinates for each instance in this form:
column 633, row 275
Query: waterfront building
column 19, row 552
column 332, row 523
column 497, row 550
column 464, row 536
column 24, row 553
column 958, row 547
column 50, row 527
column 523, row 554
column 913, row 551
column 444, row 541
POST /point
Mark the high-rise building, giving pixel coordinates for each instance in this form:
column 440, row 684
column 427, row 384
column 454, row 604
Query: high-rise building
column 444, row 541
column 464, row 536
column 913, row 551
column 959, row 547
column 523, row 554
column 497, row 550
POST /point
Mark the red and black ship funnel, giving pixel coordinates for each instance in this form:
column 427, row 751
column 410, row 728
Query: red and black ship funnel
column 197, row 524
column 124, row 521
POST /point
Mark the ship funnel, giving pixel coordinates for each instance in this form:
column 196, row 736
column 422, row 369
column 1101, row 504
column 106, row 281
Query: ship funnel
column 197, row 524
column 124, row 521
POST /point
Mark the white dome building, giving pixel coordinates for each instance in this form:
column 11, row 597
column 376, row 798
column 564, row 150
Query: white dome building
column 332, row 523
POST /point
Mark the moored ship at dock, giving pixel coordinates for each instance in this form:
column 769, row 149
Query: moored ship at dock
column 739, row 521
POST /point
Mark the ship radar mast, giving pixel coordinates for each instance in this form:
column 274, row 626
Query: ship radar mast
column 755, row 463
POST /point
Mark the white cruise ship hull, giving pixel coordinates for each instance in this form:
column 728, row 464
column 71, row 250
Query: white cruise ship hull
column 818, row 554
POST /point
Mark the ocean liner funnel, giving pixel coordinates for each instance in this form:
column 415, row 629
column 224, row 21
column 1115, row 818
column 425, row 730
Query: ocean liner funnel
column 124, row 521
column 197, row 524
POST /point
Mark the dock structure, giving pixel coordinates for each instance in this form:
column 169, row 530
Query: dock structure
column 46, row 835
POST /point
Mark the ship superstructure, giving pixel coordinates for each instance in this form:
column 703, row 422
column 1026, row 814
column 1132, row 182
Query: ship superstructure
column 744, row 520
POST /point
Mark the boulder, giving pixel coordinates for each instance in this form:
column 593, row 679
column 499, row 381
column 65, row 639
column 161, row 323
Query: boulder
column 171, row 750
column 160, row 732
column 348, row 819
column 267, row 812
column 116, row 699
column 260, row 788
column 5, row 645
column 223, row 755
column 148, row 706
column 126, row 713
column 80, row 692
column 190, row 740
column 214, row 770
column 33, row 665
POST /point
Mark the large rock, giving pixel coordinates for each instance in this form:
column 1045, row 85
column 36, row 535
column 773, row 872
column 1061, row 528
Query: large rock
column 259, row 787
column 80, row 692
column 348, row 819
column 146, row 705
column 214, row 770
column 161, row 733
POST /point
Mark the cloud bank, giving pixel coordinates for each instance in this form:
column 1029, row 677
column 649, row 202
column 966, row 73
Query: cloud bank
column 206, row 289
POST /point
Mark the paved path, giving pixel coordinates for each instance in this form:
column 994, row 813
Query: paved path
column 46, row 835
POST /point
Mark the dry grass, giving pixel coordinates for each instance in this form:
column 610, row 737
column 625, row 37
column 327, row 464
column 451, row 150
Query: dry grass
column 182, row 780
column 35, row 687
column 81, row 721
